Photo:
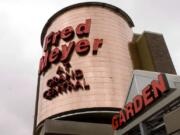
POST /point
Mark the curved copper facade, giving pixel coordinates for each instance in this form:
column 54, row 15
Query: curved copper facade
column 108, row 73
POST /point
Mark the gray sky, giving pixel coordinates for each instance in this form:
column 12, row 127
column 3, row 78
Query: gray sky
column 20, row 28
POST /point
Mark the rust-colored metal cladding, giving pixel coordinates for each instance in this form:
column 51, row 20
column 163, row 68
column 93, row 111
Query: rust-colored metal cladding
column 86, row 61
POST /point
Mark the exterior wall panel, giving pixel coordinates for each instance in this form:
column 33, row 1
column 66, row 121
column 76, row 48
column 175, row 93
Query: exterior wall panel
column 108, row 73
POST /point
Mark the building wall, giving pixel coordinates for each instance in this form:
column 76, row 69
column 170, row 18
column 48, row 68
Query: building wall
column 149, row 52
column 108, row 73
column 172, row 122
column 59, row 127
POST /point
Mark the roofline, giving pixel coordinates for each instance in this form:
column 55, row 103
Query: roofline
column 100, row 4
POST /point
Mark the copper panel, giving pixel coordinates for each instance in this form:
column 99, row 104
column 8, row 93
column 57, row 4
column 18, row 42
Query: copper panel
column 108, row 73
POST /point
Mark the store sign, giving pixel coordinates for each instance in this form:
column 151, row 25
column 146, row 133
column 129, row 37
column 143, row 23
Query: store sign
column 54, row 55
column 67, row 79
column 150, row 94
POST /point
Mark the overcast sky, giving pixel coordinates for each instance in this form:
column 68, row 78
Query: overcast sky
column 21, row 22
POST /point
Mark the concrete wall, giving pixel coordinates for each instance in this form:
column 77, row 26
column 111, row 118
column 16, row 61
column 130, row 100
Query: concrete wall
column 53, row 127
column 172, row 121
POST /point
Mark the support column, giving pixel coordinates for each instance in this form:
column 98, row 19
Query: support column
column 143, row 129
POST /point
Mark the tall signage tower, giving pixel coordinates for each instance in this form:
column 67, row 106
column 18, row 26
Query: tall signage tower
column 89, row 52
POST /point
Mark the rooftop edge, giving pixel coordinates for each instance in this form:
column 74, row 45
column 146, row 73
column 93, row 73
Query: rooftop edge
column 100, row 4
